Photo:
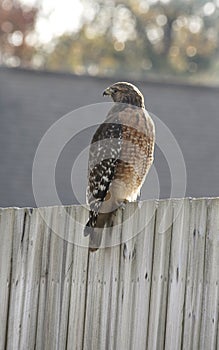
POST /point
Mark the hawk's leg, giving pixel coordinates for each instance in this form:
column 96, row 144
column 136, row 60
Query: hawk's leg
column 138, row 200
column 121, row 204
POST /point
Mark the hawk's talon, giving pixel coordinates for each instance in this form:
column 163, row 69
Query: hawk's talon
column 123, row 204
column 139, row 204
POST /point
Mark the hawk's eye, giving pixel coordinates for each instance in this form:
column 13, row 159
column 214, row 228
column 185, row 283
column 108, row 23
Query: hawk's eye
column 115, row 90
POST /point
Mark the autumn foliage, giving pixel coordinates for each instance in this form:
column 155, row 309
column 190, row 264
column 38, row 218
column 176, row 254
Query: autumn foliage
column 16, row 24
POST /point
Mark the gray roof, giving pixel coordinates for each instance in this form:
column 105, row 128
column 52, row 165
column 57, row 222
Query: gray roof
column 31, row 102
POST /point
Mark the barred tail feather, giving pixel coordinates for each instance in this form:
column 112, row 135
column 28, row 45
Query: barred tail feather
column 90, row 224
column 95, row 240
column 94, row 228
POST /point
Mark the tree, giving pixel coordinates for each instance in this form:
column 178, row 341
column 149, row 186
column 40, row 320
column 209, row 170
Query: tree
column 16, row 25
column 141, row 36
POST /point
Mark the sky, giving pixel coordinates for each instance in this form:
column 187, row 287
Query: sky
column 58, row 17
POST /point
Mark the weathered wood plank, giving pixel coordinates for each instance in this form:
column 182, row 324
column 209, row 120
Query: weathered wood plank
column 44, row 226
column 135, row 277
column 177, row 274
column 210, row 305
column 6, row 239
column 32, row 267
column 103, row 281
column 68, row 248
column 143, row 279
column 78, row 280
column 110, row 282
column 126, row 278
column 18, row 276
column 195, row 274
column 53, row 296
column 160, row 276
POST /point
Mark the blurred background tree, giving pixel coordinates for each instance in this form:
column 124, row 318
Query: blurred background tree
column 136, row 36
column 133, row 37
column 16, row 26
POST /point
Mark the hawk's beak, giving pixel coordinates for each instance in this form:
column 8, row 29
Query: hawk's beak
column 108, row 91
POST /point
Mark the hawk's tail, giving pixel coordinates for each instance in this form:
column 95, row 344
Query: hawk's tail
column 94, row 228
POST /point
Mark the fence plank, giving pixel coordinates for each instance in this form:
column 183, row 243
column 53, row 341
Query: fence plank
column 126, row 279
column 143, row 278
column 103, row 280
column 66, row 277
column 155, row 285
column 78, row 280
column 52, row 312
column 45, row 219
column 32, row 267
column 18, row 287
column 135, row 277
column 6, row 239
column 160, row 276
column 177, row 274
column 195, row 274
column 209, row 324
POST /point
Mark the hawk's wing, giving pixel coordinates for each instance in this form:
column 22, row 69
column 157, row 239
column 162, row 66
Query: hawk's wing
column 103, row 156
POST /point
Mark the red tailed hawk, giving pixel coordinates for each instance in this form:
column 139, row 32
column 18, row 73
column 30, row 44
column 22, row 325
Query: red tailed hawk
column 121, row 154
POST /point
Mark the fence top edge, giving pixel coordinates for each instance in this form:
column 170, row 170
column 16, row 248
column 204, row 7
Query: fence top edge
column 76, row 206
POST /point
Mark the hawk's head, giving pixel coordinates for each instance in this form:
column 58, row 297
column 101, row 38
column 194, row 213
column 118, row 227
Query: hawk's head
column 125, row 93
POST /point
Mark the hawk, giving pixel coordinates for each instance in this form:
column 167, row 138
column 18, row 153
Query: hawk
column 120, row 156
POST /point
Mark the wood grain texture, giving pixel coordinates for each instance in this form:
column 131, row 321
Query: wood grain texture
column 155, row 285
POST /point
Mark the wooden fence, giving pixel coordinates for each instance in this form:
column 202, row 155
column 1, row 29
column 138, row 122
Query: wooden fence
column 158, row 289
